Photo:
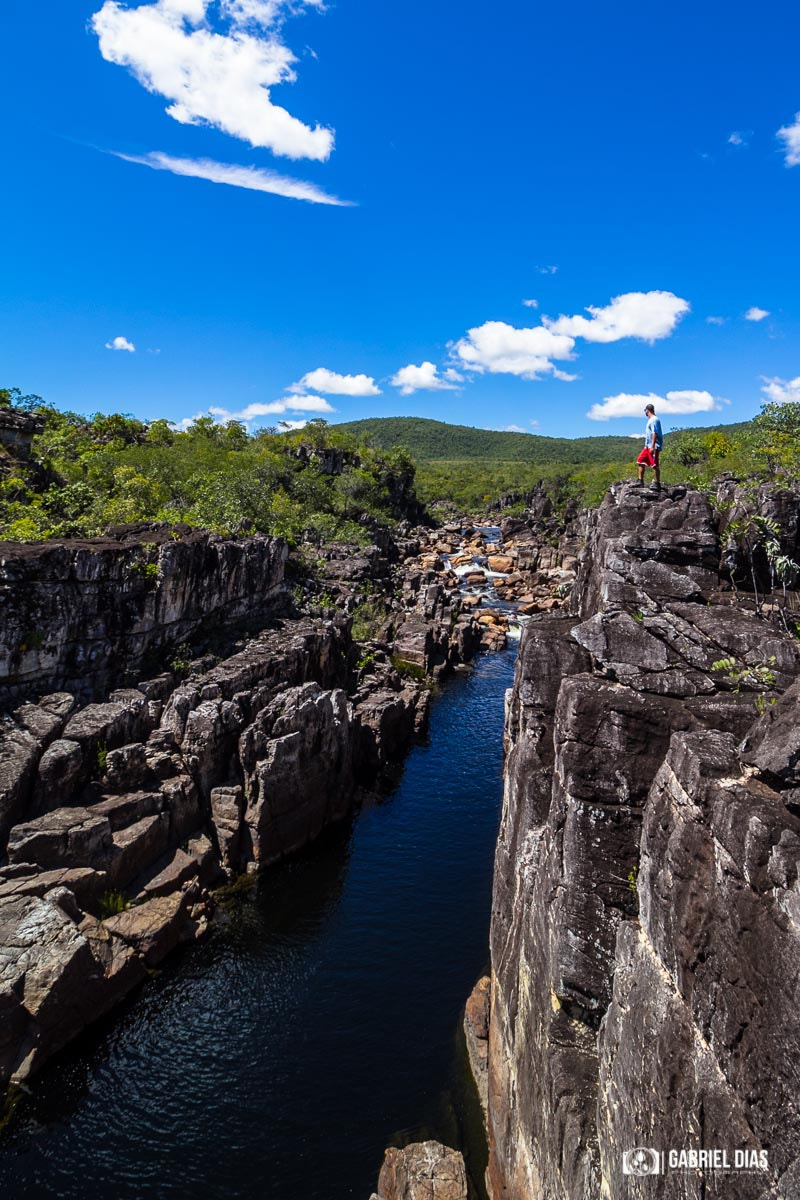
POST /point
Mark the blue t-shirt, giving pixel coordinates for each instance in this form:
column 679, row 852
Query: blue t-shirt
column 653, row 427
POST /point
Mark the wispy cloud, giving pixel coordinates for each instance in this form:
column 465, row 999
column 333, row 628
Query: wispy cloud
column 323, row 380
column 424, row 378
column 120, row 343
column 266, row 13
column 258, row 410
column 740, row 137
column 254, row 179
column 756, row 314
column 251, row 413
column 647, row 316
column 547, row 270
column 632, row 405
column 531, row 303
column 715, row 320
column 790, row 136
column 513, row 429
column 782, row 391
column 222, row 79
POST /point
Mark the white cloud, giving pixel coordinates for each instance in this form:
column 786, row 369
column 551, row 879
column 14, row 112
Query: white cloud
column 453, row 376
column 121, row 343
column 782, row 391
column 295, row 404
column 293, row 425
column 756, row 314
column 531, row 303
column 533, row 421
column 547, row 270
column 211, row 78
column 323, row 380
column 255, row 179
column 740, row 137
column 424, row 378
column 790, row 136
column 644, row 315
column 632, row 405
column 715, row 320
column 315, row 404
column 502, row 349
column 513, row 429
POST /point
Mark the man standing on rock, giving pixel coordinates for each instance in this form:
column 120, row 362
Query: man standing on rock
column 653, row 441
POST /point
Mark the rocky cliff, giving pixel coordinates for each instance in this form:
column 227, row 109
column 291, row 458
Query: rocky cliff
column 85, row 616
column 645, row 933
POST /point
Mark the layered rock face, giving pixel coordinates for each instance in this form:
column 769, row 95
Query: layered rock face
column 645, row 934
column 81, row 616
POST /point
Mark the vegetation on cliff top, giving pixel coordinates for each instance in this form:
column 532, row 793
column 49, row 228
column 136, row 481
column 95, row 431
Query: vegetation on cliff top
column 326, row 483
column 87, row 474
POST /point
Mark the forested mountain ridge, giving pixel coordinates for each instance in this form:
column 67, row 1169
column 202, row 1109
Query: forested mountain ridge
column 426, row 439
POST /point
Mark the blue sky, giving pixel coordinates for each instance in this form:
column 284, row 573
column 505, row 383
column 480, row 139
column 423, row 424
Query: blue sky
column 625, row 158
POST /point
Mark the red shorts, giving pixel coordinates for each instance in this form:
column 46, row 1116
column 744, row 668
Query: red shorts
column 647, row 458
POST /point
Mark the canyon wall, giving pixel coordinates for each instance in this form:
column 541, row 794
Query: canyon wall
column 645, row 932
column 85, row 616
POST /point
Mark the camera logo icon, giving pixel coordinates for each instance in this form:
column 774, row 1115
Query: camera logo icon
column 641, row 1161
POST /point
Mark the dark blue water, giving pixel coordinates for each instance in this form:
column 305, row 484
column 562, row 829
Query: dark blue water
column 320, row 1021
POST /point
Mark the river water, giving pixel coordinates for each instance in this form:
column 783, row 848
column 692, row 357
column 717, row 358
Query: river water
column 318, row 1023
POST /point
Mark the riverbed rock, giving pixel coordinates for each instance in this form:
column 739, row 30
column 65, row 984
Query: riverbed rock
column 297, row 759
column 61, row 770
column 227, row 814
column 51, row 982
column 67, row 837
column 19, row 756
column 476, row 1032
column 153, row 928
column 423, row 1171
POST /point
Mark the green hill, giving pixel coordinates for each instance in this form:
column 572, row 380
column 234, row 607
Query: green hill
column 428, row 440
column 468, row 467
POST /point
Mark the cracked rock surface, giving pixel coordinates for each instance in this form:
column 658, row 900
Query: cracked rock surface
column 645, row 929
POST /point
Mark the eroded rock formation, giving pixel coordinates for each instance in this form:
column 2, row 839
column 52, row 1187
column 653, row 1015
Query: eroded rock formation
column 645, row 934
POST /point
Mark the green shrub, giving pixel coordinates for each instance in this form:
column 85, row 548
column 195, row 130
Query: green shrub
column 111, row 903
column 409, row 669
column 368, row 619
